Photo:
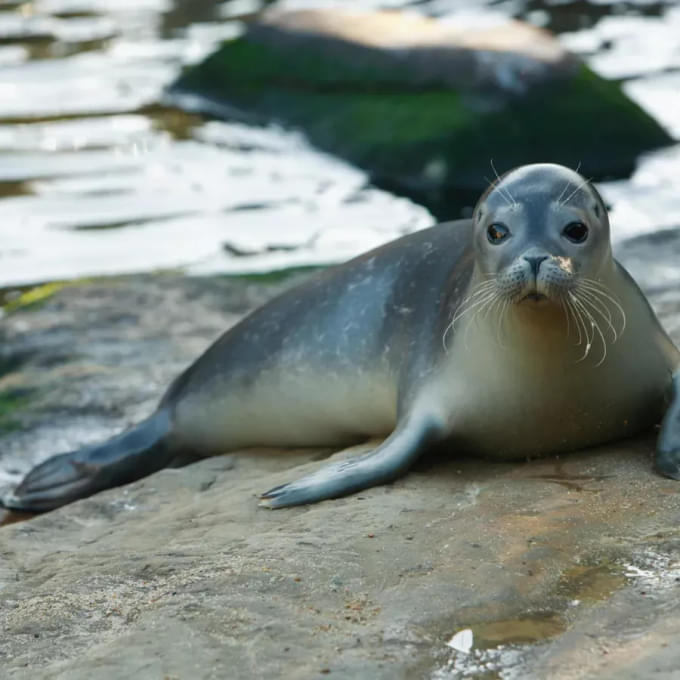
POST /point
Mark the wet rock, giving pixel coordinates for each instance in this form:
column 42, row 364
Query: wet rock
column 424, row 104
column 563, row 568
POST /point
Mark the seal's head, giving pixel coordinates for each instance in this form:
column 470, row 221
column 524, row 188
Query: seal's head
column 540, row 231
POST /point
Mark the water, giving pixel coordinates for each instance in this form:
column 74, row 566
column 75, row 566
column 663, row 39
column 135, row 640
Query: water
column 100, row 175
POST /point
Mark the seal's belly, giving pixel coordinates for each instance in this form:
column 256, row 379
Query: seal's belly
column 289, row 408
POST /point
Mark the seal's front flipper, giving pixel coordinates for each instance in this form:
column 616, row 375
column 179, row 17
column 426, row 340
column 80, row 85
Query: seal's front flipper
column 668, row 446
column 122, row 459
column 389, row 461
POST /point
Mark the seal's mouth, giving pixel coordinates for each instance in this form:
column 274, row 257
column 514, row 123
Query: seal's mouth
column 534, row 298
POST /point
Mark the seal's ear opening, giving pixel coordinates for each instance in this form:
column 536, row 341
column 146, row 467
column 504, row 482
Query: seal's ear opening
column 600, row 208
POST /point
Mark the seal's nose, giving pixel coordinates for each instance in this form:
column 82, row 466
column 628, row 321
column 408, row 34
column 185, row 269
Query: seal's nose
column 535, row 262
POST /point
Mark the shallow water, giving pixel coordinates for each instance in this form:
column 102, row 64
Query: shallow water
column 99, row 176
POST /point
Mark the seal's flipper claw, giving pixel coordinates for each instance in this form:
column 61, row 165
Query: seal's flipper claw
column 331, row 481
column 386, row 463
column 77, row 474
column 668, row 446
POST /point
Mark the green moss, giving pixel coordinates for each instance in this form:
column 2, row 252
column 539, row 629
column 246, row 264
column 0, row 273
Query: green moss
column 11, row 401
column 303, row 67
column 585, row 120
column 427, row 136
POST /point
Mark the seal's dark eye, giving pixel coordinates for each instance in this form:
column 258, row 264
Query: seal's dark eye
column 576, row 232
column 497, row 232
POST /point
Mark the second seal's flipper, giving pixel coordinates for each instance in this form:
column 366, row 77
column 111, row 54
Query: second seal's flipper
column 668, row 446
column 124, row 458
column 389, row 461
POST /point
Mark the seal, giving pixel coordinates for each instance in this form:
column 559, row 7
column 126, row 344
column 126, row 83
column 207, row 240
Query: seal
column 512, row 334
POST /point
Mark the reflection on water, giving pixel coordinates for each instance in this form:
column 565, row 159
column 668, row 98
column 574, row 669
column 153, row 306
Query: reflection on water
column 98, row 176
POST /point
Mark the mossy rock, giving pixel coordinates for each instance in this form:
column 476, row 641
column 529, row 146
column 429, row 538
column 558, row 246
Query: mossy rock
column 419, row 135
column 12, row 403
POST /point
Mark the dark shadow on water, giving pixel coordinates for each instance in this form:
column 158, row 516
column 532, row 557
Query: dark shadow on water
column 186, row 12
column 576, row 16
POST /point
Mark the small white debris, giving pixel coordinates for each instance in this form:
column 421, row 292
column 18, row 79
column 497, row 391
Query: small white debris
column 462, row 641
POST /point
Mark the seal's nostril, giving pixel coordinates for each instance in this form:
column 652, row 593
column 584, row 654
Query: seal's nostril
column 535, row 262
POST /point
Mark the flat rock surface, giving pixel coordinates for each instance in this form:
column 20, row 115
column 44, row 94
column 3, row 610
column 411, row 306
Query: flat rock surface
column 561, row 568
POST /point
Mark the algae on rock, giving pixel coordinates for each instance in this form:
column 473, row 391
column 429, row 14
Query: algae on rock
column 427, row 118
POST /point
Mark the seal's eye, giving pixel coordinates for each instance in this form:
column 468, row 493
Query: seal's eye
column 497, row 232
column 576, row 232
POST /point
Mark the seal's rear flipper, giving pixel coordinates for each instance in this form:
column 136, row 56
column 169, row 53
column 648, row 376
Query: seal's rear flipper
column 124, row 458
column 668, row 446
column 389, row 461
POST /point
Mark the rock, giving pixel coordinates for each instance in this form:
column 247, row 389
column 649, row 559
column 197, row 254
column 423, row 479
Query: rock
column 563, row 568
column 414, row 51
column 424, row 104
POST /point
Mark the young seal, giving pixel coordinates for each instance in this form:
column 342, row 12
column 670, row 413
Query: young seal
column 511, row 334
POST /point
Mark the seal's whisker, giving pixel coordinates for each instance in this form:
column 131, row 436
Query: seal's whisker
column 589, row 305
column 568, row 184
column 498, row 302
column 494, row 184
column 485, row 304
column 482, row 310
column 488, row 309
column 481, row 290
column 570, row 306
column 589, row 342
column 466, row 306
column 504, row 190
column 566, row 316
column 471, row 299
column 575, row 191
column 446, row 332
column 603, row 340
column 500, row 330
column 595, row 327
column 588, row 293
column 484, row 286
column 587, row 318
column 588, row 337
column 601, row 290
column 588, row 298
column 472, row 303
